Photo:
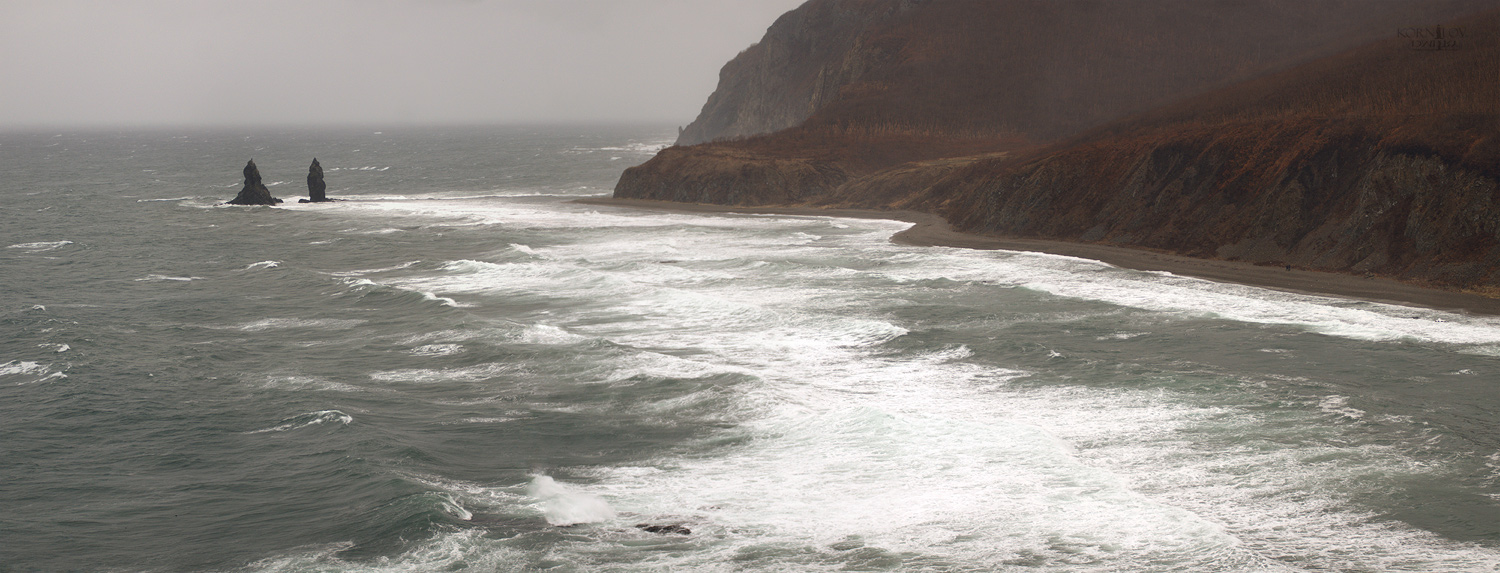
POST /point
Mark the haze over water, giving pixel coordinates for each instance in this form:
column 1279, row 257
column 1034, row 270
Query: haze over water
column 455, row 368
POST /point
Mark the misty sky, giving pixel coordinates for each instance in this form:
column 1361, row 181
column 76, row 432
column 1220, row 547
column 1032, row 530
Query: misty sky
column 373, row 62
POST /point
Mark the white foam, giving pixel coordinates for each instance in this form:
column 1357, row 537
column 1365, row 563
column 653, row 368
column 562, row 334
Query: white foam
column 829, row 435
column 638, row 147
column 437, row 350
column 441, row 299
column 1340, row 405
column 306, row 420
column 363, row 272
column 488, row 420
column 263, row 265
column 290, row 323
column 167, row 278
column 1164, row 292
column 41, row 246
column 548, row 334
column 563, row 506
column 430, row 376
column 295, row 382
column 187, row 198
column 18, row 367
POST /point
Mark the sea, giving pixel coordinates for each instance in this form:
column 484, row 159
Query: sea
column 457, row 367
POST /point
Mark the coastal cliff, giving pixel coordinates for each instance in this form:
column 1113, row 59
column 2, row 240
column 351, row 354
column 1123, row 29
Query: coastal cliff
column 1381, row 160
column 1039, row 68
column 1336, row 145
column 792, row 72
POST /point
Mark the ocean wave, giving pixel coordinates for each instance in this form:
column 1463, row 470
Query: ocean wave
column 41, row 246
column 166, row 278
column 19, row 367
column 1339, row 405
column 263, row 265
column 428, row 376
column 38, row 371
column 289, row 323
column 563, row 506
column 308, row 419
column 437, row 350
column 362, row 272
column 297, row 382
column 444, row 300
column 637, row 147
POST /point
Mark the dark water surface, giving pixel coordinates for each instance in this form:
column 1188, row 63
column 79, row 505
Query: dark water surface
column 457, row 369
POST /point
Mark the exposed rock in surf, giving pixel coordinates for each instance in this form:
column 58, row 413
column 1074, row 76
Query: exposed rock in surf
column 664, row 529
column 315, row 184
column 254, row 193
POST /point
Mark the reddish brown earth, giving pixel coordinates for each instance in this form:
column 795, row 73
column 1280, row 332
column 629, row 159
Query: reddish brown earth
column 1378, row 159
column 1382, row 160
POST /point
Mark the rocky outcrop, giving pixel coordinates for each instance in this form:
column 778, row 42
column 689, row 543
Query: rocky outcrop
column 254, row 192
column 672, row 529
column 315, row 186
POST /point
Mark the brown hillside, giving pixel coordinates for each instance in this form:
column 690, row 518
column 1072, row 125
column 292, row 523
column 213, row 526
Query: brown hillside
column 1039, row 69
column 1377, row 159
column 1384, row 159
column 879, row 83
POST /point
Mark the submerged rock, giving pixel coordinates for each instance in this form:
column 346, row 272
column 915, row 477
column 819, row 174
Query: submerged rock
column 664, row 529
column 254, row 192
column 315, row 184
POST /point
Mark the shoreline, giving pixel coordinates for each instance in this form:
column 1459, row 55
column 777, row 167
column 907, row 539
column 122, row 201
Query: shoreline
column 930, row 230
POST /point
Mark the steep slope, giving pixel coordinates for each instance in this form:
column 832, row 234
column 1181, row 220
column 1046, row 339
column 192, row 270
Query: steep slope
column 852, row 88
column 778, row 82
column 1036, row 68
column 1383, row 160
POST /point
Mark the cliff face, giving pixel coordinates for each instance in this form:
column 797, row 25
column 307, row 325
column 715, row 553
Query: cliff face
column 1382, row 160
column 1379, row 157
column 1326, row 195
column 793, row 71
column 1039, row 69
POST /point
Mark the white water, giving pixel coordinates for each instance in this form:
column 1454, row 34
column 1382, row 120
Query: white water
column 841, row 456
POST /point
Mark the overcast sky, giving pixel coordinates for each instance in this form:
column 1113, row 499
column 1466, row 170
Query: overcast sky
column 374, row 62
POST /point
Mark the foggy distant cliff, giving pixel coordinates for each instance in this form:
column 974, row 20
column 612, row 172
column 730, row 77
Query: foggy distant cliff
column 1041, row 68
column 789, row 74
column 1290, row 132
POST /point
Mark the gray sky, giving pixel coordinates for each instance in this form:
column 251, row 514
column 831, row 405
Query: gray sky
column 239, row 62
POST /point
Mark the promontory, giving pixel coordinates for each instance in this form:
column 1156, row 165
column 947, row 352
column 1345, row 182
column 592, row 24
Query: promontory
column 1350, row 136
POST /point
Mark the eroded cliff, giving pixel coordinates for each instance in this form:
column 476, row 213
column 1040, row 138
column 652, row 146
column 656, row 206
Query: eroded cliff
column 1381, row 158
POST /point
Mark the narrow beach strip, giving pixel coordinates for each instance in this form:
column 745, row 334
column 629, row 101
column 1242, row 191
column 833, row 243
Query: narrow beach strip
column 930, row 230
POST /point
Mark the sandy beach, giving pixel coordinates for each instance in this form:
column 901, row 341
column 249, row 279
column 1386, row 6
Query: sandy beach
column 930, row 230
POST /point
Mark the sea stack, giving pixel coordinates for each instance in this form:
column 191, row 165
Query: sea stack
column 315, row 184
column 254, row 192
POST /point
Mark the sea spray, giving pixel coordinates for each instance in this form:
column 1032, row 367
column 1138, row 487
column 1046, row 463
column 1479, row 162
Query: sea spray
column 563, row 506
